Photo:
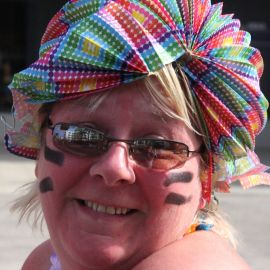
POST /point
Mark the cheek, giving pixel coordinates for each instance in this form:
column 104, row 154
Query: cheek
column 177, row 199
column 182, row 189
column 173, row 206
column 180, row 177
column 54, row 156
column 46, row 185
column 57, row 170
column 49, row 161
column 182, row 202
column 172, row 190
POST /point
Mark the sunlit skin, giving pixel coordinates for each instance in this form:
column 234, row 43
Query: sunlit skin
column 84, row 239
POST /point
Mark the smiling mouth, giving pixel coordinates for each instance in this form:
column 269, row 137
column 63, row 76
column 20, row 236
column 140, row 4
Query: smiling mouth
column 105, row 209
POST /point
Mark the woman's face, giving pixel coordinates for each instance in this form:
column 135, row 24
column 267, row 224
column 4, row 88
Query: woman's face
column 165, row 202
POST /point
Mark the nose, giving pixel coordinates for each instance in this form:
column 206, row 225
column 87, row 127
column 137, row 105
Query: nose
column 114, row 167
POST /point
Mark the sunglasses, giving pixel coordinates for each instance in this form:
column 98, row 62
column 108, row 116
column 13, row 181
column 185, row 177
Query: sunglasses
column 84, row 141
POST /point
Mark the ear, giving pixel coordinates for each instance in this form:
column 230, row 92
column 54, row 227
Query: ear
column 202, row 203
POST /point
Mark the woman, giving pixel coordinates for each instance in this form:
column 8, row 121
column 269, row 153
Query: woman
column 136, row 111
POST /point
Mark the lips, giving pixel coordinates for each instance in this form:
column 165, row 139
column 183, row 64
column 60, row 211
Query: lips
column 107, row 209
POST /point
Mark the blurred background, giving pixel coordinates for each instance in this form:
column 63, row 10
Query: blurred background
column 22, row 23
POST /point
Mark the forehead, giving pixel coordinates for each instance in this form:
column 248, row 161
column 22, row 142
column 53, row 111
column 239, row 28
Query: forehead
column 129, row 98
column 128, row 109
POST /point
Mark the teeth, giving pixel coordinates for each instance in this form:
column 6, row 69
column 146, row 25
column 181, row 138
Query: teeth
column 101, row 208
column 110, row 210
column 89, row 204
column 94, row 206
column 107, row 209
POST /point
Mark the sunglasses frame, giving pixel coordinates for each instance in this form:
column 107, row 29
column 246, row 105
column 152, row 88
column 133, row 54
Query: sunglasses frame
column 133, row 144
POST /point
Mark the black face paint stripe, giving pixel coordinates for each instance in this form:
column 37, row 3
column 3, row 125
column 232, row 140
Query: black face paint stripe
column 54, row 156
column 182, row 177
column 46, row 185
column 178, row 199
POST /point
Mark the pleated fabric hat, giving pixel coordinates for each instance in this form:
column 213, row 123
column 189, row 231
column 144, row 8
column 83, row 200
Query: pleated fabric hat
column 94, row 45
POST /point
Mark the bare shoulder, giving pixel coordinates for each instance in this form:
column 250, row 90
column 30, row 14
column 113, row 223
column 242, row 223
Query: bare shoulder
column 39, row 258
column 197, row 251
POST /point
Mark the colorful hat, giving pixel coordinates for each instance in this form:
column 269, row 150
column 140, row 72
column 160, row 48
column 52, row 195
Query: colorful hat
column 92, row 45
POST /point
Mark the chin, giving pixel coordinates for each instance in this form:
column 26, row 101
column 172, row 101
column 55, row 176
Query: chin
column 97, row 253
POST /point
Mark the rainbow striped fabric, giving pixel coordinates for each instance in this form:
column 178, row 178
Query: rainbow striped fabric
column 92, row 45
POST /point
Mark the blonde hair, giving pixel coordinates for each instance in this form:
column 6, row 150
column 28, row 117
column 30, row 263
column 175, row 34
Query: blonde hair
column 174, row 99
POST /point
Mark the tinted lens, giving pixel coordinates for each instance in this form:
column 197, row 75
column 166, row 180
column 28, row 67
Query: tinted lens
column 151, row 153
column 159, row 154
column 78, row 140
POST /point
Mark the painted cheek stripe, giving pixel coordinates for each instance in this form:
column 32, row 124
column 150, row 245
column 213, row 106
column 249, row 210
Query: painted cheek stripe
column 53, row 156
column 182, row 177
column 178, row 199
column 46, row 185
